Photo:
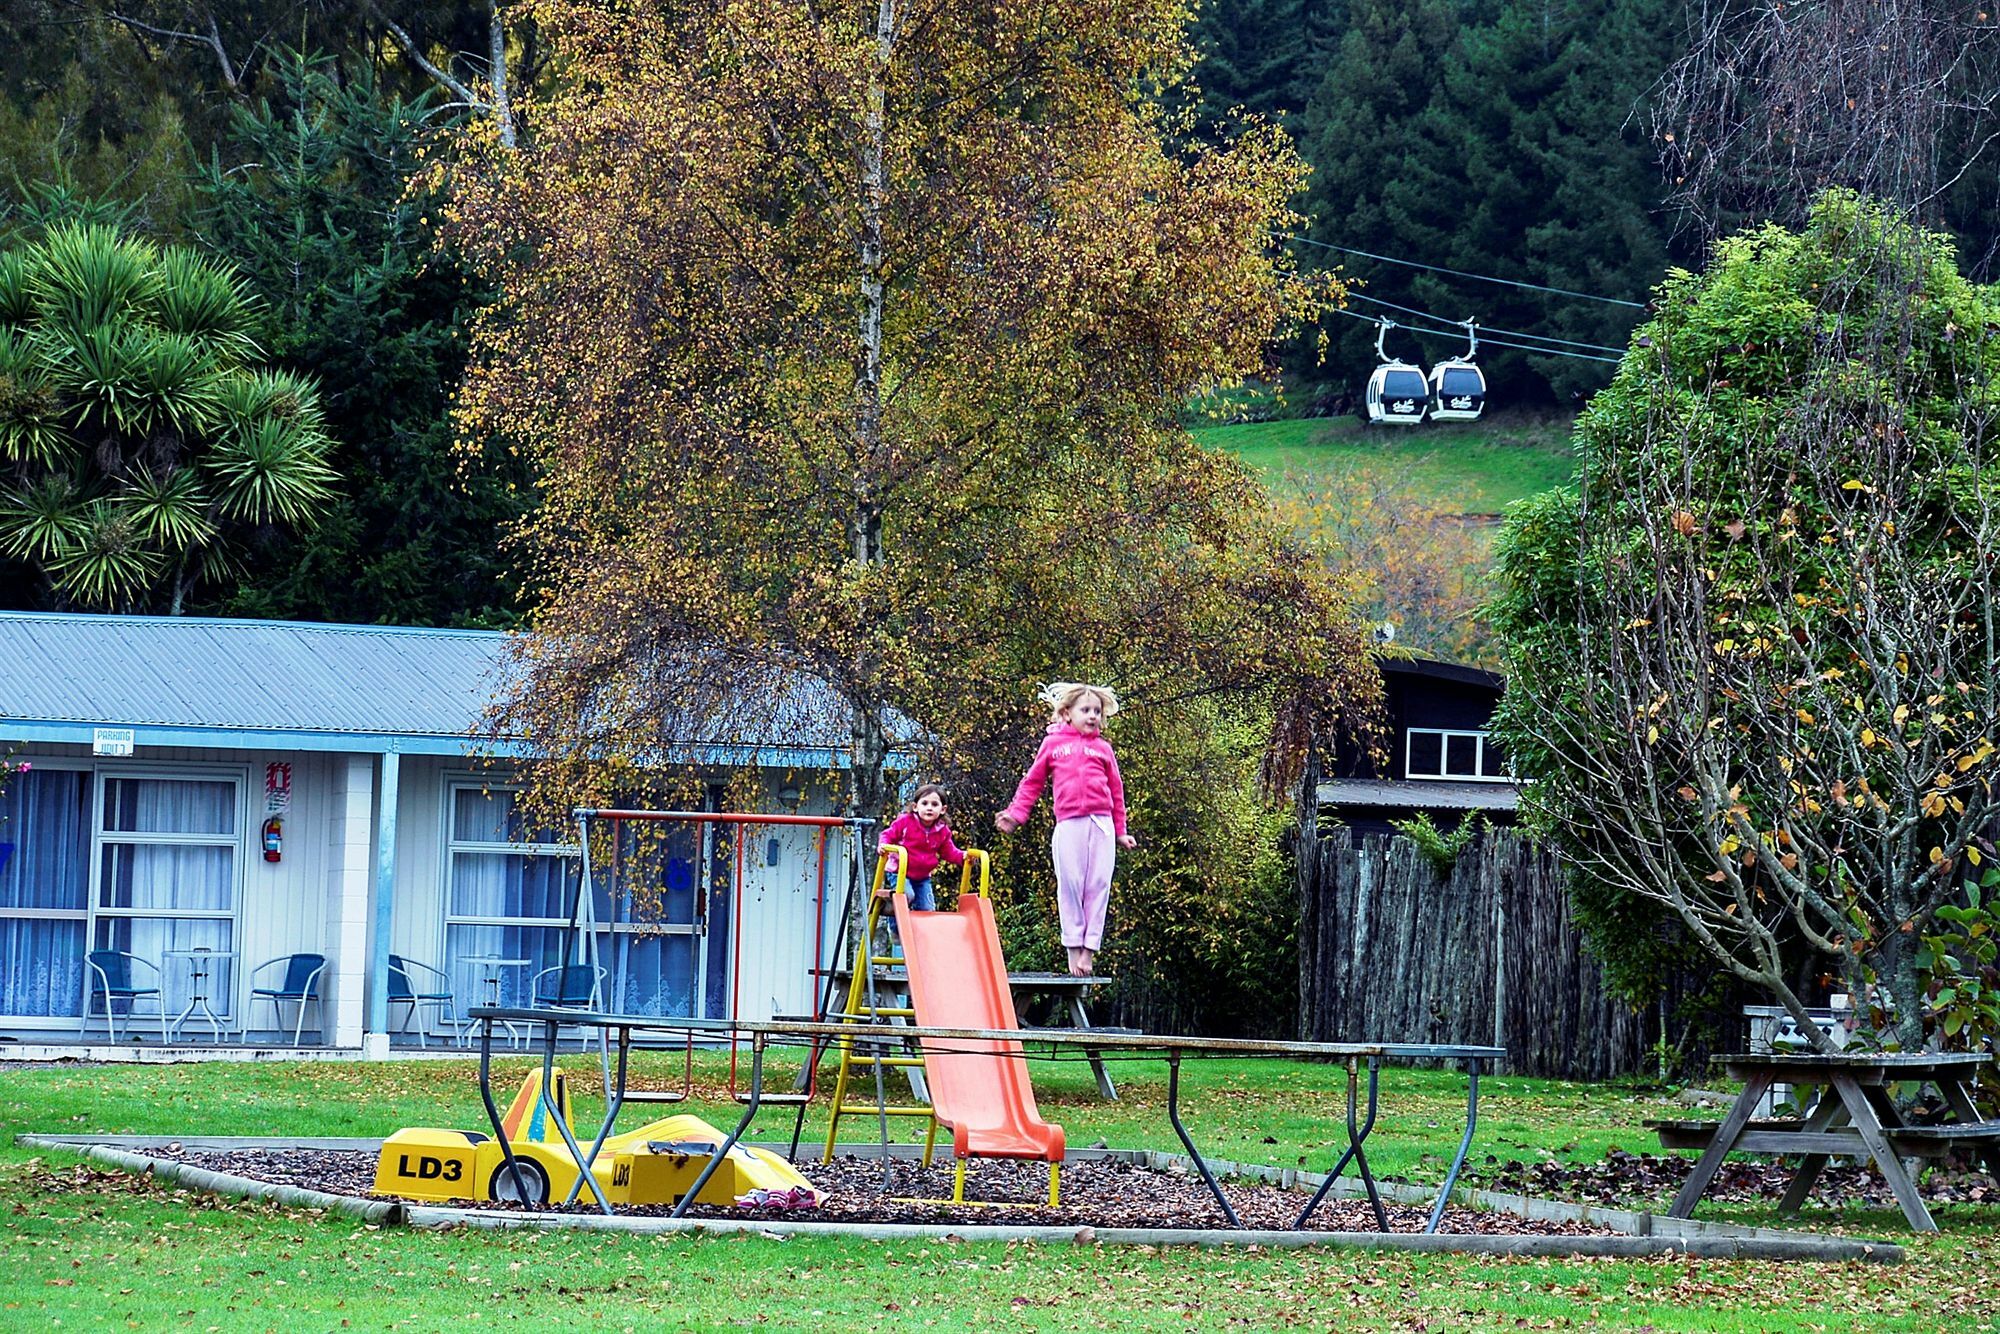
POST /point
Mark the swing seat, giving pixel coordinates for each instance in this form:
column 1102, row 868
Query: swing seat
column 775, row 1099
column 655, row 1095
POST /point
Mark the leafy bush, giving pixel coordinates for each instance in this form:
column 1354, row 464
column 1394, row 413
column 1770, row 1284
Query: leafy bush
column 1960, row 960
column 1752, row 683
column 1438, row 848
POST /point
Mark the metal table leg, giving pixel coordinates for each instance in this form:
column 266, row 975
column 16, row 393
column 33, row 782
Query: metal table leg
column 1347, row 1155
column 1105, row 1088
column 493, row 1111
column 749, row 1114
column 614, row 1098
column 585, row 1175
column 1174, row 1117
column 1355, row 1137
column 1464, row 1144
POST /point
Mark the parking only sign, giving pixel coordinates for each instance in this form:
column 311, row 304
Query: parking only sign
column 111, row 741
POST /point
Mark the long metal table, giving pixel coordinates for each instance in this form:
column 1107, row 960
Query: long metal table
column 1108, row 1045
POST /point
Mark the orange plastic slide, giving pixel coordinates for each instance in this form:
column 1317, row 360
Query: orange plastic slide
column 958, row 979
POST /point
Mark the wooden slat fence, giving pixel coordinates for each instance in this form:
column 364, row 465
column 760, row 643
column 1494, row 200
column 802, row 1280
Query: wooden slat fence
column 1391, row 950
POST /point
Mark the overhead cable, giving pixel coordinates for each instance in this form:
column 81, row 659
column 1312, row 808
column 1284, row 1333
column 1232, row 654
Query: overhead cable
column 1483, row 328
column 1478, row 277
column 1458, row 331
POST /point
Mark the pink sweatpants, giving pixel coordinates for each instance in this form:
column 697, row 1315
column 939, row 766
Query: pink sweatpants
column 1085, row 853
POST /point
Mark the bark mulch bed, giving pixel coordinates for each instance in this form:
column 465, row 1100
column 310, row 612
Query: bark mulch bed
column 1094, row 1193
column 1624, row 1178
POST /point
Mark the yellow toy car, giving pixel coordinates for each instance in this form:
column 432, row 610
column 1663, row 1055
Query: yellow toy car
column 655, row 1164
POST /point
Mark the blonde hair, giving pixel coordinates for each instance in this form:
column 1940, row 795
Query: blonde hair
column 1061, row 697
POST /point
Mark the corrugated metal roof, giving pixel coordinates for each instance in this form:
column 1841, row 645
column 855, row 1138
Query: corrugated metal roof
column 1420, row 796
column 64, row 671
column 279, row 676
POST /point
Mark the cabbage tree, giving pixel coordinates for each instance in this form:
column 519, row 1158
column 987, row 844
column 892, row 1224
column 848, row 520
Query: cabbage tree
column 142, row 440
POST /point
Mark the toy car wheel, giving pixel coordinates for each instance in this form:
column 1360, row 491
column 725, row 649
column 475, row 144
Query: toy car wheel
column 534, row 1181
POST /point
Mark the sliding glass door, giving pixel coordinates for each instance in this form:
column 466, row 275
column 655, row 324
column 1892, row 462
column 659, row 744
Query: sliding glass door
column 169, row 868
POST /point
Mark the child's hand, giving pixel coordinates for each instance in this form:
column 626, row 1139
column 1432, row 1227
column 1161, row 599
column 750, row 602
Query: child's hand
column 1005, row 823
column 1127, row 841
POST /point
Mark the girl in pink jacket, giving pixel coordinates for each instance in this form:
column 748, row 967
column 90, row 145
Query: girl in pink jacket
column 1090, row 811
column 922, row 832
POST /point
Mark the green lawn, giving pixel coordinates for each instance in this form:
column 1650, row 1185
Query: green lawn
column 1474, row 468
column 86, row 1247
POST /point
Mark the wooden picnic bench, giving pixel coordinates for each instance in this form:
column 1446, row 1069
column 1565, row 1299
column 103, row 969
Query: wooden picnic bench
column 1855, row 1116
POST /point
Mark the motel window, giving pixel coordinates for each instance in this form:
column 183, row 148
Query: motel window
column 506, row 897
column 508, row 893
column 44, row 892
column 1466, row 757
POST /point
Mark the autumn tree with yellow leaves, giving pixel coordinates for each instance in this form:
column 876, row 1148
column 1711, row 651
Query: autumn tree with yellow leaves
column 850, row 343
column 1754, row 658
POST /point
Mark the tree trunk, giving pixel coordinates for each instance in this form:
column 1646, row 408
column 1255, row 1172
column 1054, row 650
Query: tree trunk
column 1900, row 990
column 180, row 586
column 496, row 38
column 870, row 744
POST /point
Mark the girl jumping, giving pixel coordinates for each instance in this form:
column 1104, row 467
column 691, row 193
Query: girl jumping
column 1090, row 811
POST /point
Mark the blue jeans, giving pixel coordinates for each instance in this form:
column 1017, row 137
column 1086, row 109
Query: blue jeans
column 921, row 898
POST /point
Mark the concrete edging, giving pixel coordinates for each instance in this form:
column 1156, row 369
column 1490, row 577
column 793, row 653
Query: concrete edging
column 1643, row 1235
column 385, row 1212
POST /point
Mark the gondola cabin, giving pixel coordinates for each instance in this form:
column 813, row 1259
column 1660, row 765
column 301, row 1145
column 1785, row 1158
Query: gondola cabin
column 1457, row 391
column 1398, row 395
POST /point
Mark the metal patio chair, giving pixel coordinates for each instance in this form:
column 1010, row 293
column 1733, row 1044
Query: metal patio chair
column 573, row 986
column 568, row 986
column 112, row 979
column 298, row 984
column 420, row 986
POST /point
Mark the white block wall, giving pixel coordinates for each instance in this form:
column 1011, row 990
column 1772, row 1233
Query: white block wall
column 350, row 847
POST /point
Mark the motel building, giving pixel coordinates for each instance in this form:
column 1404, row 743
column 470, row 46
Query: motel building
column 214, row 809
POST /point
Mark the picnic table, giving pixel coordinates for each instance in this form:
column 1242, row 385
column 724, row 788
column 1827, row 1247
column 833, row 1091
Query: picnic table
column 1063, row 989
column 1854, row 1116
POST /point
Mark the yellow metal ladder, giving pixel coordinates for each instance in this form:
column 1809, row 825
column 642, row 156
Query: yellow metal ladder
column 878, row 1000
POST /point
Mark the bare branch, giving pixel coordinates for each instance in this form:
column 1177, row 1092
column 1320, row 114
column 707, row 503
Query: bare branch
column 212, row 40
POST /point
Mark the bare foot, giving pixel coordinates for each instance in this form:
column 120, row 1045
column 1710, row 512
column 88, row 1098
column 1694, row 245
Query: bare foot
column 1088, row 958
column 1076, row 966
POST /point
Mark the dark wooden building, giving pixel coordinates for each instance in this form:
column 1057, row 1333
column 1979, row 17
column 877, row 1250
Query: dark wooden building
column 1439, row 757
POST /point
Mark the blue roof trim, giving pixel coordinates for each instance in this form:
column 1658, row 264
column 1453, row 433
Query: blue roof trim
column 356, row 743
column 238, row 622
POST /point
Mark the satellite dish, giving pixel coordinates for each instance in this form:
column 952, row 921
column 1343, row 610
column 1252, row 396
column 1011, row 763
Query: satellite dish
column 1385, row 632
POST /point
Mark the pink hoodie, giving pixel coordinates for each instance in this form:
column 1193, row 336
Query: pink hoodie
column 926, row 844
column 1086, row 778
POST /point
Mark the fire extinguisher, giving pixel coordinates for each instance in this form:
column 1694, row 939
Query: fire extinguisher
column 274, row 838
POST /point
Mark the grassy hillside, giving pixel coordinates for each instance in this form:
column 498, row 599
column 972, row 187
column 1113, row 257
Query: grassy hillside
column 1474, row 468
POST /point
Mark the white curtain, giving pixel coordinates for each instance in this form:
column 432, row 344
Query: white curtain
column 140, row 877
column 44, row 867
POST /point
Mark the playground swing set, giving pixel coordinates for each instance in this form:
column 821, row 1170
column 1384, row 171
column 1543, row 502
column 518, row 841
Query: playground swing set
column 952, row 974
